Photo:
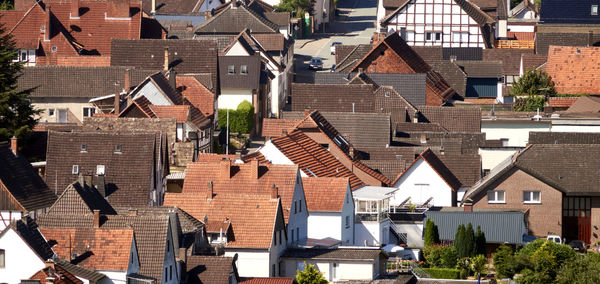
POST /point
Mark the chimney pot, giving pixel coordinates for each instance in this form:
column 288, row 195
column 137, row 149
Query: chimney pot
column 210, row 192
column 96, row 218
column 14, row 145
column 254, row 168
column 274, row 192
column 153, row 7
column 225, row 169
column 468, row 205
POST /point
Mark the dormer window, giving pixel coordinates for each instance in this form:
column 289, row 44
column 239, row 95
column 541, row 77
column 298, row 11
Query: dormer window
column 118, row 149
column 594, row 10
column 83, row 148
column 75, row 170
column 231, row 69
column 244, row 69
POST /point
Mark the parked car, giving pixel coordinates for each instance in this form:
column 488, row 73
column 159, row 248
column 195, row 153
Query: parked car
column 555, row 238
column 315, row 63
column 579, row 246
column 333, row 45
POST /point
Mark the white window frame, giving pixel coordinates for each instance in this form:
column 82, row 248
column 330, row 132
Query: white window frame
column 495, row 194
column 51, row 112
column 410, row 35
column 75, row 170
column 100, row 170
column 433, row 36
column 88, row 108
column 231, row 69
column 460, row 37
column 531, row 200
column 594, row 11
column 244, row 69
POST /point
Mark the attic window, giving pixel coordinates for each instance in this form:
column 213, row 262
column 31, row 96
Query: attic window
column 83, row 148
column 75, row 170
column 54, row 48
column 244, row 69
column 118, row 149
column 387, row 94
column 594, row 10
column 231, row 69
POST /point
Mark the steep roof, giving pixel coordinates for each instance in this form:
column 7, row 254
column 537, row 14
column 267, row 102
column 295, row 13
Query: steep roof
column 179, row 7
column 325, row 194
column 562, row 37
column 573, row 69
column 340, row 98
column 481, row 69
column 438, row 166
column 510, row 58
column 54, row 275
column 81, row 199
column 27, row 229
column 233, row 19
column 453, row 119
column 273, row 127
column 24, row 187
column 452, row 73
column 253, row 217
column 208, row 269
column 349, row 56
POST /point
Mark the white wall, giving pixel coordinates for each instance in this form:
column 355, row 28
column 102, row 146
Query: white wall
column 251, row 264
column 517, row 133
column 20, row 261
column 521, row 28
column 7, row 216
column 420, row 183
column 237, row 50
column 414, row 233
column 271, row 153
column 583, row 125
column 373, row 232
column 347, row 270
column 231, row 98
column 348, row 211
column 325, row 225
column 298, row 219
column 491, row 157
column 115, row 277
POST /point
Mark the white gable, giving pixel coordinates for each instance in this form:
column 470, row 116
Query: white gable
column 21, row 262
column 153, row 94
column 237, row 50
column 421, row 182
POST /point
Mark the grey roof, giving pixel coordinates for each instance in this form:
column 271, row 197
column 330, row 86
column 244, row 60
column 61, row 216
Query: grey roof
column 481, row 69
column 333, row 254
column 234, row 19
column 339, row 98
column 452, row 118
column 543, row 40
column 223, row 41
column 79, row 271
column 410, row 86
column 564, row 138
column 453, row 74
column 373, row 192
column 462, row 53
column 238, row 80
column 361, row 129
column 498, row 227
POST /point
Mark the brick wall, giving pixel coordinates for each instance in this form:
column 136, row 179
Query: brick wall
column 184, row 153
column 543, row 218
column 384, row 60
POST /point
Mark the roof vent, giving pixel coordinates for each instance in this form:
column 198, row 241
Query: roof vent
column 578, row 51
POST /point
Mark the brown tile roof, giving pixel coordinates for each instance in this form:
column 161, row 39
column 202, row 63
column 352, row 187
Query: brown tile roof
column 233, row 21
column 208, row 269
column 452, row 73
column 453, row 119
column 340, row 98
column 197, row 94
column 325, row 194
column 562, row 102
column 361, row 129
column 78, row 271
column 271, row 42
column 179, row 112
column 482, row 69
column 57, row 274
column 333, row 253
column 21, row 184
column 98, row 249
column 272, row 127
column 532, row 61
column 217, row 226
column 265, row 280
column 185, row 56
column 589, row 104
column 352, row 56
column 438, row 166
column 563, row 138
column 199, row 175
column 80, row 199
column 252, row 217
column 128, row 174
column 466, row 167
column 573, row 69
column 510, row 58
column 389, row 168
column 313, row 158
column 279, row 18
column 407, row 127
column 179, row 7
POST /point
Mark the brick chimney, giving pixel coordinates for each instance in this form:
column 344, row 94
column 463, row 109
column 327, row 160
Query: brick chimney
column 14, row 145
column 166, row 63
column 209, row 191
column 274, row 192
column 96, row 218
column 351, row 152
column 468, row 205
column 74, row 9
column 117, row 9
column 127, row 81
column 254, row 169
column 225, row 168
column 47, row 24
column 50, row 263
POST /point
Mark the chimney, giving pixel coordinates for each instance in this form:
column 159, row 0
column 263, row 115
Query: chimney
column 14, row 145
column 423, row 138
column 50, row 263
column 306, row 112
column 88, row 180
column 238, row 157
column 254, row 169
column 117, row 9
column 47, row 24
column 118, row 101
column 101, row 185
column 74, row 9
column 274, row 192
column 209, row 191
column 468, row 205
column 351, row 152
column 96, row 218
column 225, row 168
column 81, row 180
column 173, row 79
column 153, row 7
column 127, row 81
column 183, row 250
column 166, row 64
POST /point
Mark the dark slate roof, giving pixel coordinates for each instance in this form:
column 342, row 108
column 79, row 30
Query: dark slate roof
column 361, row 129
column 394, row 3
column 170, row 7
column 208, row 269
column 389, row 168
column 79, row 198
column 452, row 142
column 335, row 98
column 279, row 18
column 223, row 41
column 466, row 167
column 453, row 74
column 543, row 40
column 453, row 119
column 498, row 227
column 481, row 69
column 511, row 58
column 333, row 254
column 233, row 20
column 238, row 80
column 429, row 53
column 79, row 271
column 438, row 166
column 576, row 12
column 27, row 229
column 128, row 175
column 563, row 138
column 78, row 82
column 185, row 56
column 462, row 53
column 21, row 181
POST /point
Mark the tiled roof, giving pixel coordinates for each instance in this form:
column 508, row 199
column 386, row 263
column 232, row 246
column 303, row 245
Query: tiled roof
column 271, row 42
column 241, row 180
column 98, row 249
column 394, row 3
column 510, row 58
column 252, row 217
column 92, row 34
column 562, row 102
column 434, row 161
column 453, row 119
column 279, row 18
column 239, row 80
column 80, row 199
column 19, row 180
column 179, row 112
column 28, row 231
column 408, row 127
column 217, row 226
column 185, row 56
column 187, row 223
column 325, row 194
column 79, row 271
column 465, row 167
column 340, row 98
column 564, row 138
column 532, row 61
column 589, row 104
column 543, row 40
column 179, row 7
column 389, row 168
column 128, row 174
column 272, row 127
column 429, row 53
column 265, row 280
column 232, row 20
column 462, row 53
column 573, row 69
column 208, row 269
column 55, row 275
column 345, row 64
column 333, row 254
column 78, row 82
column 452, row 73
column 481, row 69
column 313, row 158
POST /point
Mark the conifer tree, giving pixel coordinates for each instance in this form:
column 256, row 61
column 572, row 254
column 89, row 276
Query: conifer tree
column 459, row 241
column 469, row 240
column 479, row 241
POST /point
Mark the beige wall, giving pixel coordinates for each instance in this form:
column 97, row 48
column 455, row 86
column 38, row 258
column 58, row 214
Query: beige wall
column 74, row 106
column 544, row 218
column 595, row 220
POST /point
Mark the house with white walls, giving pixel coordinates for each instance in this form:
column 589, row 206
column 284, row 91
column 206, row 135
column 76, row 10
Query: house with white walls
column 330, row 209
column 372, row 225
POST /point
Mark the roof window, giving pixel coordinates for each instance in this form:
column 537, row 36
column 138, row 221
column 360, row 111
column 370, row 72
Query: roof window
column 118, row 149
column 231, row 69
column 83, row 148
column 594, row 10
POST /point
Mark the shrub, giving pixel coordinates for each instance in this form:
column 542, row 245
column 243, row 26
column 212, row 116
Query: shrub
column 479, row 241
column 533, row 83
column 529, row 103
column 477, row 264
column 240, row 120
column 431, row 233
column 443, row 273
column 581, row 270
column 563, row 253
column 504, row 262
column 459, row 241
column 440, row 256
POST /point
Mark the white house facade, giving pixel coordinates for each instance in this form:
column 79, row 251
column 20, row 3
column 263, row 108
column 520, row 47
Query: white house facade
column 338, row 225
column 422, row 184
column 19, row 260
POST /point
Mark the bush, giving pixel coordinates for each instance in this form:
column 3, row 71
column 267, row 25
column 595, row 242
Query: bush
column 240, row 120
column 431, row 235
column 563, row 253
column 440, row 256
column 459, row 241
column 479, row 241
column 582, row 270
column 443, row 273
column 504, row 262
column 533, row 83
column 530, row 103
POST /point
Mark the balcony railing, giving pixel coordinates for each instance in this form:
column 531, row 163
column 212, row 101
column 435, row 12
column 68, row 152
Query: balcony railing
column 515, row 44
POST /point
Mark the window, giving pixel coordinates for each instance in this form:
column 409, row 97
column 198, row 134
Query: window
column 410, row 35
column 244, row 69
column 334, row 268
column 2, row 257
column 75, row 170
column 272, row 270
column 292, row 235
column 83, row 148
column 118, row 149
column 387, row 94
column 231, row 69
column 168, row 245
column 170, row 272
column 298, row 234
column 594, row 10
column 280, row 237
column 532, row 197
column 100, row 170
column 496, row 196
column 460, row 36
column 295, row 206
column 166, row 271
column 300, row 205
column 347, row 221
column 433, row 36
column 50, row 112
column 88, row 111
column 23, row 55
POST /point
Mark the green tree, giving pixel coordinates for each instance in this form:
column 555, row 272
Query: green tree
column 297, row 6
column 477, row 264
column 240, row 120
column 543, row 268
column 580, row 271
column 430, row 233
column 440, row 256
column 310, row 275
column 469, row 241
column 436, row 234
column 16, row 112
column 7, row 5
column 479, row 241
column 459, row 241
column 533, row 83
column 504, row 262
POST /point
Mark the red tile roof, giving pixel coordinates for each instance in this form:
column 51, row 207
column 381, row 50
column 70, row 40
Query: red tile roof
column 265, row 280
column 180, row 112
column 574, row 69
column 98, row 249
column 325, row 194
column 273, row 127
column 197, row 94
column 60, row 275
column 252, row 217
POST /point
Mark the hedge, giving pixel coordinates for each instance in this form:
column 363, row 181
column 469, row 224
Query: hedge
column 240, row 120
column 443, row 273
